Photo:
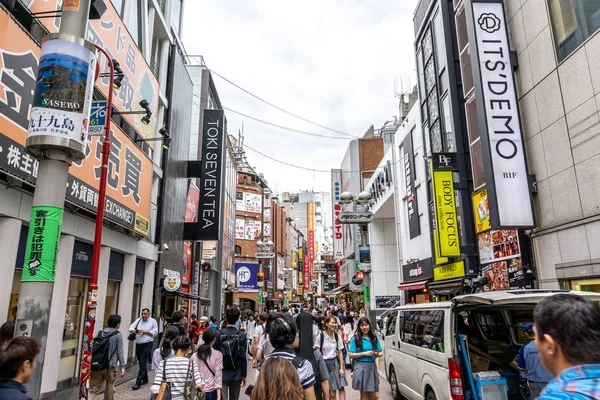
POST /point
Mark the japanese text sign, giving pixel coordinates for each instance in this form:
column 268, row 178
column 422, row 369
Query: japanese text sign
column 42, row 244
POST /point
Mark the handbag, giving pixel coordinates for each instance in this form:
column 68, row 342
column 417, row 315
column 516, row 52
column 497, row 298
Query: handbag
column 190, row 390
column 164, row 393
column 132, row 336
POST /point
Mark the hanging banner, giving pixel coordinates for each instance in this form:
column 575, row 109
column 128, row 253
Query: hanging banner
column 191, row 205
column 506, row 175
column 414, row 226
column 42, row 244
column 310, row 210
column 445, row 213
column 481, row 211
column 246, row 276
column 186, row 275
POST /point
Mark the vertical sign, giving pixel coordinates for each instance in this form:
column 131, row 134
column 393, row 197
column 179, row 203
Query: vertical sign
column 42, row 244
column 506, row 175
column 445, row 204
column 310, row 209
column 336, row 189
column 211, row 174
column 306, row 270
column 414, row 227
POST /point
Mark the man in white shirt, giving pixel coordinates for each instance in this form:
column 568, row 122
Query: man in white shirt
column 144, row 328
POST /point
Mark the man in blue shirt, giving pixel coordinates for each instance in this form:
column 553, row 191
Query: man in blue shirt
column 531, row 366
column 567, row 331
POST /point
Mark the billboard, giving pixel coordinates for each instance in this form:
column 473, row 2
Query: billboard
column 112, row 35
column 130, row 170
column 191, row 205
column 414, row 227
column 481, row 211
column 253, row 202
column 252, row 230
column 338, row 229
column 445, row 214
column 246, row 274
column 310, row 210
column 239, row 228
column 506, row 175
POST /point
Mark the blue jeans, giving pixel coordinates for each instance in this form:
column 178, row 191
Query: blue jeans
column 211, row 395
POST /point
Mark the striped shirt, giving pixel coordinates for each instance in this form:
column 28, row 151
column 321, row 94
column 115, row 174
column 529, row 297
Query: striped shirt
column 177, row 374
column 305, row 369
column 575, row 383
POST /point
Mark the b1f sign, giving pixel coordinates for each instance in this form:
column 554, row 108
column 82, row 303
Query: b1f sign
column 504, row 158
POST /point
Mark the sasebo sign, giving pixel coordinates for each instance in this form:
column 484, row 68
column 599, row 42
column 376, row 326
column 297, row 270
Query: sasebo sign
column 507, row 177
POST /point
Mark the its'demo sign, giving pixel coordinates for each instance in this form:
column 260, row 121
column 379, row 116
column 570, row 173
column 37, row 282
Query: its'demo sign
column 506, row 177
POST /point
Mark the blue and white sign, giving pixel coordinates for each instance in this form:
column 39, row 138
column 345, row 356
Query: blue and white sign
column 246, row 274
column 97, row 118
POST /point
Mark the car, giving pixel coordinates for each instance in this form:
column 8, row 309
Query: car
column 423, row 343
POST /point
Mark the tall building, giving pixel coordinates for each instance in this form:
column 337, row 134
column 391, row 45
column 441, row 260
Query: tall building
column 140, row 39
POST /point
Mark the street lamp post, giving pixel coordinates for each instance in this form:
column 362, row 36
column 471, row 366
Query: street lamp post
column 86, row 360
column 362, row 200
column 263, row 247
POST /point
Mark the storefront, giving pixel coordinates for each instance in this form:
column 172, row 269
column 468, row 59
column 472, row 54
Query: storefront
column 416, row 276
column 448, row 281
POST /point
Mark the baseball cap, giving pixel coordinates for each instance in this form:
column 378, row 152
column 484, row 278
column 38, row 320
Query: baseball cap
column 203, row 319
column 527, row 326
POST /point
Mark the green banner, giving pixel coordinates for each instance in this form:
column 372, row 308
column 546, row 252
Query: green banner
column 260, row 299
column 42, row 244
column 367, row 294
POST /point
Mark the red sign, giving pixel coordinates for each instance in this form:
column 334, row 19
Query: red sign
column 187, row 262
column 311, row 245
column 306, row 273
column 338, row 267
column 278, row 295
column 191, row 206
column 185, row 288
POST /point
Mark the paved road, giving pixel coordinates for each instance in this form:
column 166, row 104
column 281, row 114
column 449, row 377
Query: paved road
column 124, row 391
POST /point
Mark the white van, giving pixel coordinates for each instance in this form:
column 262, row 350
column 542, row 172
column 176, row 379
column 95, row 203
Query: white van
column 422, row 351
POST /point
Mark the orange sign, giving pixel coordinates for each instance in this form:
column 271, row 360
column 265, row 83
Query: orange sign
column 130, row 170
column 71, row 5
column 138, row 83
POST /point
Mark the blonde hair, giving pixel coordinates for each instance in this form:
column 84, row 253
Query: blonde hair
column 278, row 379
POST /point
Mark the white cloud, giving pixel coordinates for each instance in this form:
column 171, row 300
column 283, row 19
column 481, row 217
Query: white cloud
column 333, row 62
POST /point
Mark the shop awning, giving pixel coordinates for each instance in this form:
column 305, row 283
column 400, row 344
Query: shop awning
column 447, row 287
column 203, row 300
column 338, row 290
column 416, row 285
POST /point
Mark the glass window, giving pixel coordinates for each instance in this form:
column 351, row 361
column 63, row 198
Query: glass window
column 134, row 22
column 477, row 165
column 573, row 21
column 430, row 76
column 135, row 313
column 440, row 45
column 447, row 115
column 118, row 6
column 436, row 138
column 391, row 323
column 493, row 326
column 423, row 329
column 176, row 16
column 68, row 366
column 421, row 73
column 112, row 299
column 427, row 45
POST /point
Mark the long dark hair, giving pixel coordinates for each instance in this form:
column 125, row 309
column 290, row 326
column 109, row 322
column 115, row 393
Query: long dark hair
column 205, row 350
column 359, row 335
column 304, row 323
column 350, row 320
column 272, row 317
column 171, row 334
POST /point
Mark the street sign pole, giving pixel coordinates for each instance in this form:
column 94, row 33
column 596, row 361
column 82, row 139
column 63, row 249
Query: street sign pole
column 55, row 155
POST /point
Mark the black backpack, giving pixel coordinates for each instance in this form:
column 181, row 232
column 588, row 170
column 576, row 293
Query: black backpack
column 230, row 347
column 100, row 346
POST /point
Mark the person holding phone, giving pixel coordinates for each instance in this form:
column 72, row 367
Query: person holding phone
column 365, row 348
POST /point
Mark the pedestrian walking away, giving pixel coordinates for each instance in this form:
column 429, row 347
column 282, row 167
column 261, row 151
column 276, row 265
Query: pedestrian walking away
column 530, row 365
column 193, row 331
column 258, row 332
column 264, row 347
column 107, row 355
column 18, row 360
column 284, row 338
column 165, row 351
column 144, row 329
column 233, row 344
column 306, row 350
column 210, row 365
column 177, row 371
column 176, row 321
column 331, row 345
column 365, row 348
column 567, row 337
column 278, row 380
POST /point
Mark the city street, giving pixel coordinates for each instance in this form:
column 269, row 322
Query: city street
column 124, row 391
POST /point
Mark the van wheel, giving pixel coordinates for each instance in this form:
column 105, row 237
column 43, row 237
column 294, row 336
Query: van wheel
column 394, row 385
column 431, row 395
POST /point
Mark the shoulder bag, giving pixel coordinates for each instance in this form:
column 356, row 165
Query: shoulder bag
column 132, row 336
column 190, row 390
column 164, row 393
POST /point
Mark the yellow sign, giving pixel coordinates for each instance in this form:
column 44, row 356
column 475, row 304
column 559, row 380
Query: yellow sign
column 449, row 271
column 300, row 253
column 436, row 243
column 445, row 214
column 142, row 225
column 481, row 211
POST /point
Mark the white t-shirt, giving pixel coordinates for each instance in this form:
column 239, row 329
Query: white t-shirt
column 265, row 345
column 250, row 329
column 258, row 331
column 330, row 347
column 349, row 332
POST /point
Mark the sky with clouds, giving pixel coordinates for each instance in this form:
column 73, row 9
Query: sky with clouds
column 332, row 62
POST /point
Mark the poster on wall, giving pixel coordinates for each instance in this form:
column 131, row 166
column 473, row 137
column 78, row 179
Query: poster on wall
column 253, row 202
column 246, row 274
column 240, row 205
column 239, row 228
column 481, row 211
column 497, row 275
column 252, row 230
column 498, row 245
column 267, row 230
column 267, row 215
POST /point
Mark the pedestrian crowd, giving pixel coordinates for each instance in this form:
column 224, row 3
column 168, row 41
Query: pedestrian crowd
column 301, row 353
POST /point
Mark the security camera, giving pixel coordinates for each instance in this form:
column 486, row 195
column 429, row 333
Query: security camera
column 165, row 247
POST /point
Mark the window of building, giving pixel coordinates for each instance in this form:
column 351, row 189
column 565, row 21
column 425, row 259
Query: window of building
column 135, row 313
column 573, row 21
column 238, row 249
column 176, row 16
column 118, row 6
column 68, row 366
column 134, row 22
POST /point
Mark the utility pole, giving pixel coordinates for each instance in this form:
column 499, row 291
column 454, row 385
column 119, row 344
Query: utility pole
column 55, row 153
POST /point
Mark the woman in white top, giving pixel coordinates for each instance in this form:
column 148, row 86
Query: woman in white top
column 177, row 369
column 349, row 331
column 265, row 347
column 331, row 345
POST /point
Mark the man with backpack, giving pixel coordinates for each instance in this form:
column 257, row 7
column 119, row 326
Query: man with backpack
column 233, row 344
column 107, row 354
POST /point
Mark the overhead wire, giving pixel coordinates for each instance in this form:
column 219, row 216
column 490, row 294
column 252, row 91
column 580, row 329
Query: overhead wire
column 281, row 109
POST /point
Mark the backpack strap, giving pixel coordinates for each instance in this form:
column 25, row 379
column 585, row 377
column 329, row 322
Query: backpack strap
column 322, row 341
column 164, row 374
column 297, row 361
